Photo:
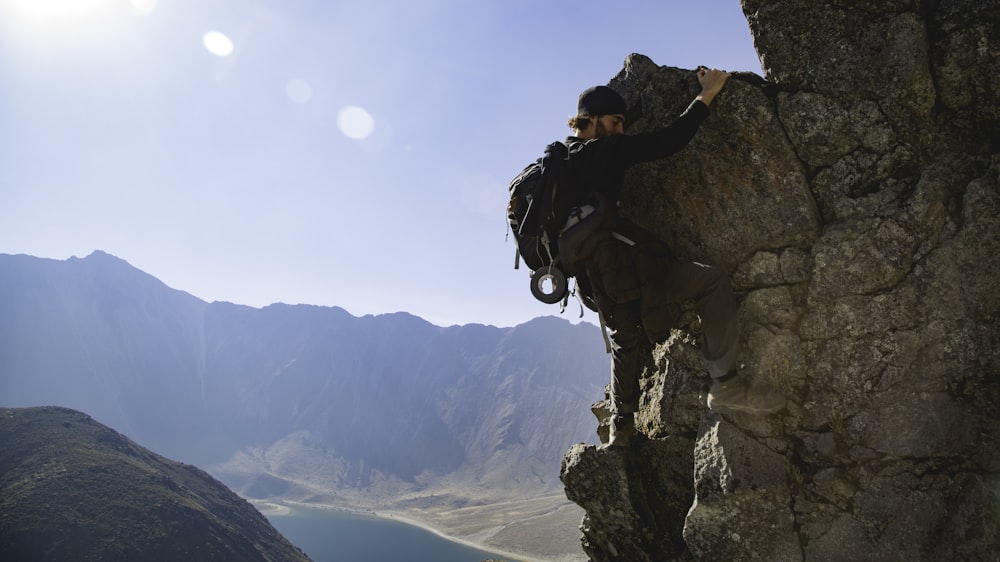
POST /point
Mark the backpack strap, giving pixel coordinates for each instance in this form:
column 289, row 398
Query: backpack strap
column 604, row 332
column 621, row 238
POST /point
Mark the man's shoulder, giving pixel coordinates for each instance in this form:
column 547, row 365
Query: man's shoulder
column 577, row 143
column 597, row 145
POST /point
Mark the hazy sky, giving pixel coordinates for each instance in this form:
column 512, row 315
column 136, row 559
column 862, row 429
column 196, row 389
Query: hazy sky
column 339, row 153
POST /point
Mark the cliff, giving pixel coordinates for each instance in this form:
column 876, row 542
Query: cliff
column 853, row 193
column 74, row 489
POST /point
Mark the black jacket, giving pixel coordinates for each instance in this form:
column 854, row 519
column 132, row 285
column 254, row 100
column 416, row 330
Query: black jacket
column 599, row 165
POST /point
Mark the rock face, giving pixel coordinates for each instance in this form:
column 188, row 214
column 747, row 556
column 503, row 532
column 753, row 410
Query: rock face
column 74, row 489
column 853, row 193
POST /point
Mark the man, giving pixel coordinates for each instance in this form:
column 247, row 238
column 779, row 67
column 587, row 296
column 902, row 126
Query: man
column 633, row 279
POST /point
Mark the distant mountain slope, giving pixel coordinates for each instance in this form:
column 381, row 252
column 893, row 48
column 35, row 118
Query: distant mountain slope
column 100, row 336
column 386, row 404
column 73, row 489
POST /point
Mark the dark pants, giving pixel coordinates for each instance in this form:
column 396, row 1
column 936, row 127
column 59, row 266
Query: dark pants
column 636, row 291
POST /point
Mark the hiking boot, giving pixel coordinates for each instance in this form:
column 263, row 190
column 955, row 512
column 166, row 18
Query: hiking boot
column 734, row 393
column 622, row 430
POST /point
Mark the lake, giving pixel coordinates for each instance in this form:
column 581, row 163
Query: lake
column 338, row 536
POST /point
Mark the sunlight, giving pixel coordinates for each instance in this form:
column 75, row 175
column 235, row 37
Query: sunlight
column 143, row 7
column 218, row 44
column 44, row 11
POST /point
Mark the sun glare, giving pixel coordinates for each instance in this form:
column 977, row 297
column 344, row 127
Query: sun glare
column 62, row 13
column 143, row 7
column 44, row 11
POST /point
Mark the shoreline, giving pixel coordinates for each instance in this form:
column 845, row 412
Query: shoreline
column 280, row 508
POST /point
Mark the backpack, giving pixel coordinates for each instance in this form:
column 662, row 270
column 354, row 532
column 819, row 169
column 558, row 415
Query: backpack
column 547, row 228
column 532, row 218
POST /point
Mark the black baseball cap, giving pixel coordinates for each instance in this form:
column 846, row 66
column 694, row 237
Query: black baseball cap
column 601, row 100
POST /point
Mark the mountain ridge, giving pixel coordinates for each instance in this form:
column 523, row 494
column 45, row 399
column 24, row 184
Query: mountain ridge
column 379, row 411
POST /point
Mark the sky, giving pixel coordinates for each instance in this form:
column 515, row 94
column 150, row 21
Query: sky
column 336, row 153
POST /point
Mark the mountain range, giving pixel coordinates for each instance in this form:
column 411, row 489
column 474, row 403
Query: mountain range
column 302, row 402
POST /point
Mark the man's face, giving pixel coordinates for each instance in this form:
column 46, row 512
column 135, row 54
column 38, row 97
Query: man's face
column 608, row 125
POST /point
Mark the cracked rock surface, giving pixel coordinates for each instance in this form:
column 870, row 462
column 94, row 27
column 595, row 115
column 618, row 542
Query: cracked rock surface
column 853, row 193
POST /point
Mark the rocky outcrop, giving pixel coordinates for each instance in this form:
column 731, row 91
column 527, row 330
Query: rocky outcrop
column 853, row 193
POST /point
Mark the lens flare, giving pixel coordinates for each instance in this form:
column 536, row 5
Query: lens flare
column 299, row 91
column 218, row 44
column 355, row 122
